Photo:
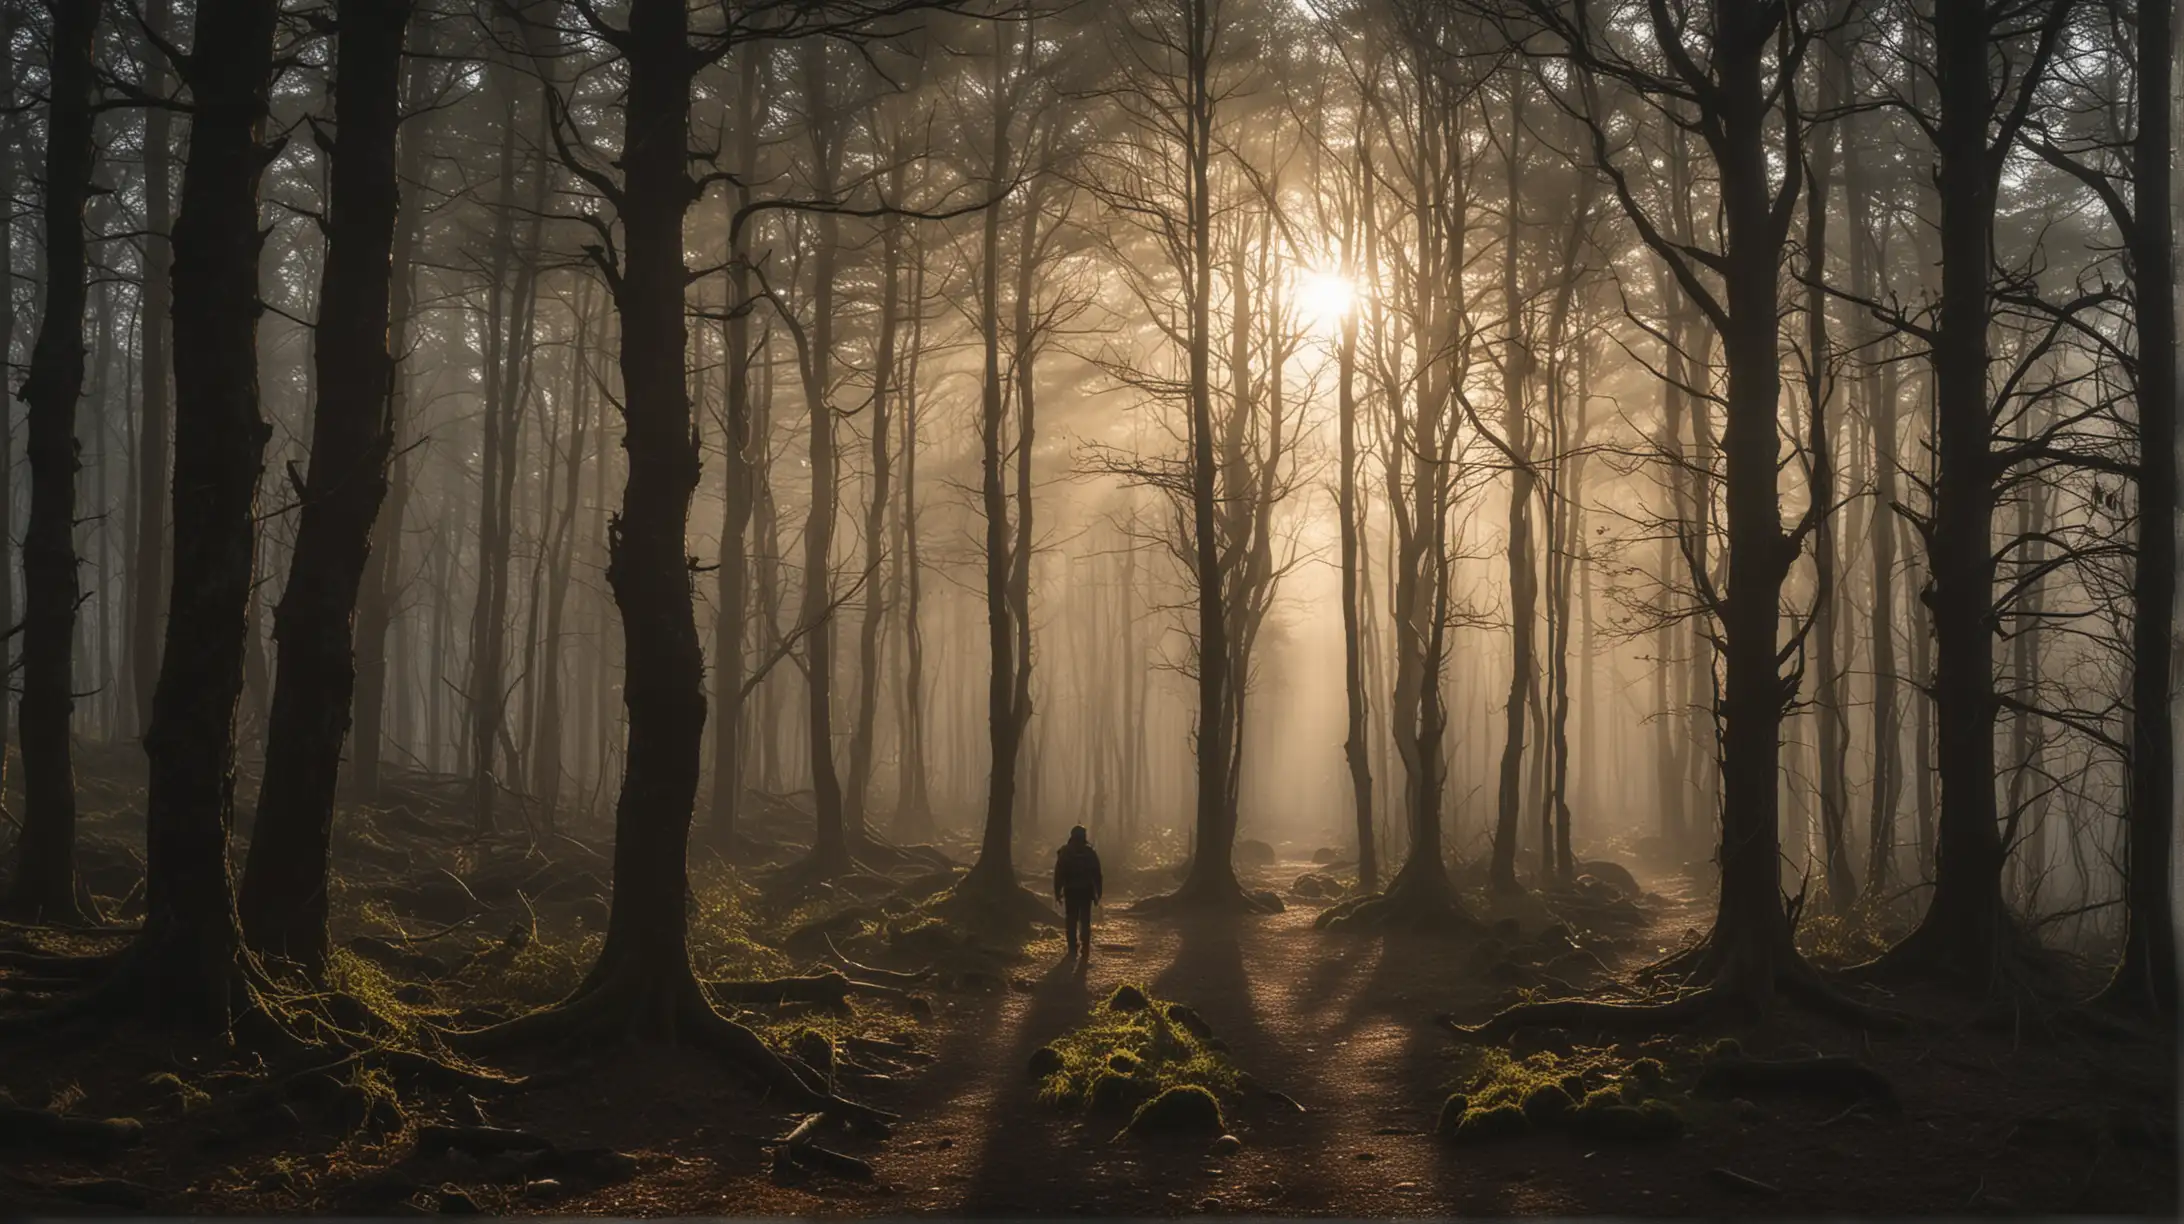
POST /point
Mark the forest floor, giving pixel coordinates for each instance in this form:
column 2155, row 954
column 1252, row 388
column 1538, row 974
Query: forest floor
column 1994, row 1118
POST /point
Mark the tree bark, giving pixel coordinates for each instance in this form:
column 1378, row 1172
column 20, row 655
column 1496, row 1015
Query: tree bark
column 188, row 961
column 2146, row 975
column 153, row 456
column 732, row 594
column 44, row 886
column 283, row 898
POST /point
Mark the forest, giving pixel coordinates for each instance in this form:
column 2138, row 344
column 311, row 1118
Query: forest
column 594, row 590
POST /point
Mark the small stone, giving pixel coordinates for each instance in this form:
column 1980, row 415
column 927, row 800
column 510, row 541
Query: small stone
column 1366, row 1156
column 541, row 1188
column 1227, row 1145
column 1209, row 1204
column 456, row 1202
column 944, row 1143
column 1406, row 1185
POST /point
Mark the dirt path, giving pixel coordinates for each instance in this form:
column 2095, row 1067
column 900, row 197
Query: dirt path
column 1343, row 1024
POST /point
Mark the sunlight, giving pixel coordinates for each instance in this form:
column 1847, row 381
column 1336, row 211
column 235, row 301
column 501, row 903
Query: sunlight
column 1326, row 298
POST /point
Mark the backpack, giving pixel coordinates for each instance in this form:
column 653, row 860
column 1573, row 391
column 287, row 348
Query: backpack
column 1077, row 868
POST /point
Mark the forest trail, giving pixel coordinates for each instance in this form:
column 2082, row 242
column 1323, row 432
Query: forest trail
column 1340, row 1023
column 1343, row 1024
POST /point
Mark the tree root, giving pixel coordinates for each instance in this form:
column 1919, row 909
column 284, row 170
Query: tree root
column 630, row 1004
column 58, row 965
column 1422, row 911
column 995, row 904
column 797, row 1149
column 830, row 990
column 870, row 974
column 1592, row 1015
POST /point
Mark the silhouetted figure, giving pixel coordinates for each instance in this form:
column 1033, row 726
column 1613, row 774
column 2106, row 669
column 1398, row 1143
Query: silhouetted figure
column 1077, row 885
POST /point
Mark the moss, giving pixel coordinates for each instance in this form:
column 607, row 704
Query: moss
column 1650, row 1120
column 1114, row 1093
column 1132, row 1045
column 1183, row 1110
column 1494, row 1122
column 1649, row 1072
column 1128, row 998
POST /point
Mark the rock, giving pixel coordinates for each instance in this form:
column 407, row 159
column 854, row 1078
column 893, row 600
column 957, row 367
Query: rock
column 1183, row 1110
column 1547, row 1104
column 1189, row 1021
column 1112, row 1093
column 1268, row 901
column 1365, row 1156
column 1326, row 854
column 1254, row 852
column 1307, row 886
column 1128, row 999
column 1045, row 1060
column 544, row 1187
column 457, row 1202
column 1227, row 1145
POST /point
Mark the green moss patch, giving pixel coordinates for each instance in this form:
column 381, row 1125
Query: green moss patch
column 1128, row 1052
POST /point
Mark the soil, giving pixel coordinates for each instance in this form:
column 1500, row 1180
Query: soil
column 1993, row 1120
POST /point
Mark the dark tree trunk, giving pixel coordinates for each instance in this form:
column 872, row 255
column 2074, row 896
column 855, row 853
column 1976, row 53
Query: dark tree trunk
column 1523, row 581
column 188, row 962
column 880, row 494
column 10, row 165
column 1842, row 887
column 732, row 596
column 44, row 887
column 994, row 873
column 1354, row 749
column 914, row 814
column 2146, row 976
column 1967, row 930
column 149, row 594
column 283, row 898
column 376, row 603
column 1877, row 392
column 830, row 851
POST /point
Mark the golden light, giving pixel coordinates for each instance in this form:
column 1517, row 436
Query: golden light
column 1326, row 298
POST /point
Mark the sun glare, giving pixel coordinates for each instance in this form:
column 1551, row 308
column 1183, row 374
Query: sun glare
column 1325, row 297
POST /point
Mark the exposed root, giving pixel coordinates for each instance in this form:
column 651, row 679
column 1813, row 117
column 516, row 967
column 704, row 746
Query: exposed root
column 994, row 904
column 1590, row 1014
column 1227, row 896
column 1424, row 911
column 829, row 990
column 630, row 1004
column 871, row 974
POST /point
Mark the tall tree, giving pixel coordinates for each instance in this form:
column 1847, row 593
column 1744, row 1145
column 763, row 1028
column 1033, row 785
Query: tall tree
column 44, row 887
column 283, row 898
column 149, row 581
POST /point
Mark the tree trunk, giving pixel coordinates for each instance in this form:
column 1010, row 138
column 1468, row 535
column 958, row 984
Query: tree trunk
column 1355, row 705
column 10, row 164
column 1842, row 885
column 188, row 961
column 830, row 850
column 1966, row 927
column 914, row 814
column 1523, row 583
column 880, row 494
column 153, row 454
column 283, row 898
column 995, row 871
column 44, row 887
column 2146, row 975
column 732, row 594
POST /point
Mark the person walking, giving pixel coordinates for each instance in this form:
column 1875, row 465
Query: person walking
column 1077, row 886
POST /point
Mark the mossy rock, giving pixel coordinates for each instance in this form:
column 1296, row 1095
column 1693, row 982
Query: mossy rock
column 1183, row 1110
column 1574, row 1085
column 1649, row 1072
column 1189, row 1021
column 1123, row 1062
column 1045, row 1060
column 1114, row 1092
column 1452, row 1114
column 1651, row 1120
column 1499, row 1122
column 1547, row 1105
column 1128, row 999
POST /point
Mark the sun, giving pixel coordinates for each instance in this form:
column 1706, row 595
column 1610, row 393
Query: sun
column 1326, row 298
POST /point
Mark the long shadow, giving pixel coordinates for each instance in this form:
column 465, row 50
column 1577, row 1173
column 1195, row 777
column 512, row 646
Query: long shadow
column 1019, row 1168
